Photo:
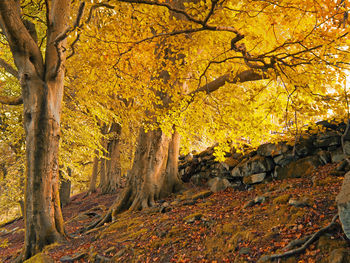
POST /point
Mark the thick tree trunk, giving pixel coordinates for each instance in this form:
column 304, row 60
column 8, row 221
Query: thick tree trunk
column 154, row 174
column 42, row 92
column 43, row 217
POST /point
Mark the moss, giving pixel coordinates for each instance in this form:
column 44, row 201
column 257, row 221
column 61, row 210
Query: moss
column 241, row 236
column 327, row 181
column 202, row 195
column 213, row 244
column 39, row 258
column 299, row 214
column 125, row 224
column 205, row 204
column 282, row 199
column 174, row 231
column 195, row 216
column 283, row 214
column 51, row 246
column 327, row 244
column 229, row 228
column 186, row 195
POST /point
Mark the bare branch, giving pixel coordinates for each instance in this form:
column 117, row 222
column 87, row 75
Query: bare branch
column 8, row 68
column 64, row 35
column 169, row 7
column 11, row 101
column 95, row 6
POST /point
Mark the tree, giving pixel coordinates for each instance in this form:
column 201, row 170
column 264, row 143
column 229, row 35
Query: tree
column 238, row 43
column 41, row 78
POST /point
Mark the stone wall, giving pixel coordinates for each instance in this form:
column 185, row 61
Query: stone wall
column 269, row 160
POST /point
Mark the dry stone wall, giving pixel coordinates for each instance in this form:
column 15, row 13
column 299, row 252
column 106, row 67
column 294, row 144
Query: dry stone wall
column 270, row 160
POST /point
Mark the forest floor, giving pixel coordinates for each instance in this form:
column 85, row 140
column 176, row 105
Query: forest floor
column 199, row 226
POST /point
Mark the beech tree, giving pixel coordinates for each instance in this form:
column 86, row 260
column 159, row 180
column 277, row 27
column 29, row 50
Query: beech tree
column 170, row 58
column 251, row 41
column 41, row 78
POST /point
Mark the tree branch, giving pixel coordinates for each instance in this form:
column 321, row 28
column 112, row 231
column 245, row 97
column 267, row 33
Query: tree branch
column 64, row 35
column 244, row 76
column 11, row 101
column 19, row 38
column 8, row 68
column 169, row 7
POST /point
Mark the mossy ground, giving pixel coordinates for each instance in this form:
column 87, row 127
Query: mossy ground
column 220, row 228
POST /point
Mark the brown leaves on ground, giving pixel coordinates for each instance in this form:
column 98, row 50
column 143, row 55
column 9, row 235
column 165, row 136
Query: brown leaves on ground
column 212, row 229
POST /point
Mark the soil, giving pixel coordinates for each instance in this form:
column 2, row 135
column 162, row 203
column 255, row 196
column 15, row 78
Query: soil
column 215, row 228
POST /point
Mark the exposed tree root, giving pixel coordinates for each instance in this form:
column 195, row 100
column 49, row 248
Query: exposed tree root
column 305, row 245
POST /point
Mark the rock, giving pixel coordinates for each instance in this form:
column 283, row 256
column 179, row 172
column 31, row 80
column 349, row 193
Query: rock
column 225, row 166
column 188, row 157
column 347, row 147
column 271, row 149
column 255, row 201
column 324, row 156
column 284, row 159
column 304, row 146
column 327, row 125
column 255, row 165
column 341, row 166
column 301, row 168
column 327, row 139
column 259, row 199
column 337, row 155
column 244, row 251
column 340, row 255
column 218, row 184
column 199, row 179
column 254, row 178
column 343, row 203
column 332, row 148
column 40, row 258
column 231, row 162
column 300, row 203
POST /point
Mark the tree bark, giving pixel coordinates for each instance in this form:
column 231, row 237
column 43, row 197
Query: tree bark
column 42, row 91
column 65, row 188
column 111, row 164
column 154, row 174
column 94, row 175
column 110, row 167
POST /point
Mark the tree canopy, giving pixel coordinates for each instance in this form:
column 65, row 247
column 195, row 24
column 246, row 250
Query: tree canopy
column 228, row 72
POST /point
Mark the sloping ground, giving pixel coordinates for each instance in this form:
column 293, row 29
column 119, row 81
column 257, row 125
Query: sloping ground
column 198, row 226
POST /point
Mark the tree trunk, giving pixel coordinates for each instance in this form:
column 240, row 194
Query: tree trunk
column 42, row 91
column 93, row 180
column 154, row 174
column 111, row 165
column 43, row 217
column 65, row 188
